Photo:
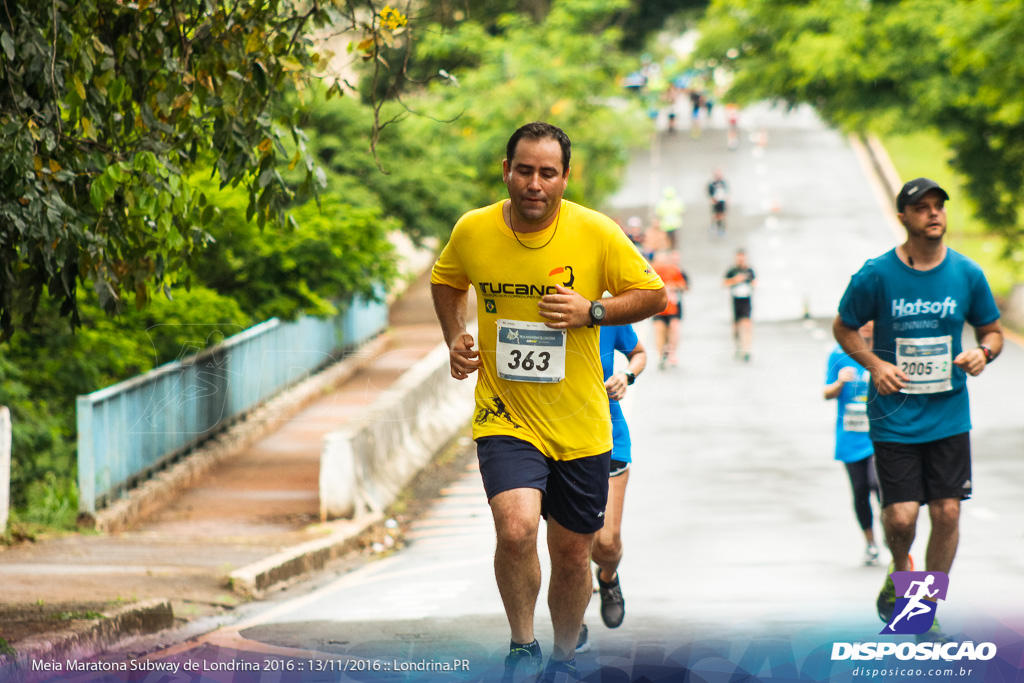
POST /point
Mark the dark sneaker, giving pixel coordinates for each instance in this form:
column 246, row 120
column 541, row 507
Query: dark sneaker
column 557, row 671
column 523, row 662
column 613, row 607
column 583, row 641
column 886, row 602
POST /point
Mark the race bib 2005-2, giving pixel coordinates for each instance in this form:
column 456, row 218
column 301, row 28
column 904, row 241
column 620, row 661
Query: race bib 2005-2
column 927, row 362
column 530, row 352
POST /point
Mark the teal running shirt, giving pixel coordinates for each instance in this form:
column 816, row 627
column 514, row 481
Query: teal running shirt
column 919, row 319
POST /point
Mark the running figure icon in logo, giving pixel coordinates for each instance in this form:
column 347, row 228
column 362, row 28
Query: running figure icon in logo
column 915, row 610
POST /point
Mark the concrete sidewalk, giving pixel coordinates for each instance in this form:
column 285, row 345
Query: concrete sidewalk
column 257, row 511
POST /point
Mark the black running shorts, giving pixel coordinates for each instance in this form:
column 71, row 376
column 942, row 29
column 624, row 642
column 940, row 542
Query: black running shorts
column 740, row 308
column 922, row 472
column 575, row 492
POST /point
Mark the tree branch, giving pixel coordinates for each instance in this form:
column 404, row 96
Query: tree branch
column 280, row 71
column 53, row 79
column 9, row 19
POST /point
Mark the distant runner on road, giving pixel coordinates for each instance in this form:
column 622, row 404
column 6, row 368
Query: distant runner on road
column 718, row 195
column 919, row 295
column 667, row 322
column 848, row 382
column 540, row 265
column 670, row 214
column 608, row 543
column 740, row 280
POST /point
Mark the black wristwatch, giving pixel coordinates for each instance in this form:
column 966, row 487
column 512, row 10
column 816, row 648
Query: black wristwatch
column 597, row 313
column 989, row 356
column 630, row 377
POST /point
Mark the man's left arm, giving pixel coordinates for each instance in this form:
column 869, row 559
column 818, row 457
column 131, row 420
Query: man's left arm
column 973, row 361
column 569, row 309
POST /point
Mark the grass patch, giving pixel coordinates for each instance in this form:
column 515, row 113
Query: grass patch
column 925, row 154
column 71, row 616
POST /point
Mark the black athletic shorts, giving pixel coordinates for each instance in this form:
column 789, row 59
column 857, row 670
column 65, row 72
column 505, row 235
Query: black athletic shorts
column 922, row 472
column 719, row 207
column 740, row 308
column 575, row 491
column 678, row 315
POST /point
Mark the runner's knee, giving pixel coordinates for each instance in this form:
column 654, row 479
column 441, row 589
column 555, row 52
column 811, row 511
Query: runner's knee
column 517, row 536
column 945, row 513
column 608, row 546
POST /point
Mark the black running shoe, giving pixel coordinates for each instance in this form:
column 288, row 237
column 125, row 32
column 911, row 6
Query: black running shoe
column 557, row 671
column 523, row 662
column 583, row 641
column 613, row 607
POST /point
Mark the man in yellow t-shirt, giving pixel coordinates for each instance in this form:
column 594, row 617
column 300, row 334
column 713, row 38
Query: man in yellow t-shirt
column 540, row 266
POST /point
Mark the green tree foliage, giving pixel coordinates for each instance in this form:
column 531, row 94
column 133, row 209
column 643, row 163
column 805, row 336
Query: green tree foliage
column 337, row 250
column 423, row 186
column 561, row 70
column 953, row 65
column 637, row 20
column 104, row 107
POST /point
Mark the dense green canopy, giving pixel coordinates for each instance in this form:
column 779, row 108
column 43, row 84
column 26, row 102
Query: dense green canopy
column 955, row 66
column 105, row 105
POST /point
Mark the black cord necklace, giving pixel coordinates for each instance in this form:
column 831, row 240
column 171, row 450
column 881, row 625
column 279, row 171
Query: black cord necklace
column 558, row 217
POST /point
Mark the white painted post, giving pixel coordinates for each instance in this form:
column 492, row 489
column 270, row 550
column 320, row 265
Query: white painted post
column 5, row 466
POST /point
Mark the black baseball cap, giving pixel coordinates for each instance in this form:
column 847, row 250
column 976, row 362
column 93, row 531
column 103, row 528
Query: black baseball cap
column 914, row 189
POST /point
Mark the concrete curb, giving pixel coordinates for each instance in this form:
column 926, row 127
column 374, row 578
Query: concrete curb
column 165, row 486
column 886, row 169
column 379, row 454
column 297, row 561
column 145, row 617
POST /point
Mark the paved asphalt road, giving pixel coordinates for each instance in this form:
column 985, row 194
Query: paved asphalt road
column 742, row 553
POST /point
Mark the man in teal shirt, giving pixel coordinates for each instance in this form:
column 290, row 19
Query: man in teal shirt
column 919, row 295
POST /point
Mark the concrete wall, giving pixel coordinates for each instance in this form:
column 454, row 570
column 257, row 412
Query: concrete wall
column 364, row 465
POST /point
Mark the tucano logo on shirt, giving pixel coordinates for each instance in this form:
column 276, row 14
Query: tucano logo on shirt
column 520, row 289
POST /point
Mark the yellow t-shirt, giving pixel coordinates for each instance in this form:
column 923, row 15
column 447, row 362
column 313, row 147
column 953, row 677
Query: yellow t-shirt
column 588, row 253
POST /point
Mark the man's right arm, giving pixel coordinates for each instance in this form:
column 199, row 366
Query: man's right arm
column 451, row 306
column 887, row 377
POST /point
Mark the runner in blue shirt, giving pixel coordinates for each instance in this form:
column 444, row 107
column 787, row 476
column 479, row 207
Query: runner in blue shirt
column 848, row 382
column 607, row 548
column 919, row 295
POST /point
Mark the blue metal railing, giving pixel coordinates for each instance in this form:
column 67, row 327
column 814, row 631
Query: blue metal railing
column 129, row 430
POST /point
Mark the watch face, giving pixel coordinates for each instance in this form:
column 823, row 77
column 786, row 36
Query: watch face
column 597, row 310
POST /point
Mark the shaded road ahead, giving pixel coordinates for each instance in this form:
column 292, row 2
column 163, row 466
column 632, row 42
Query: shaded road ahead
column 742, row 552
